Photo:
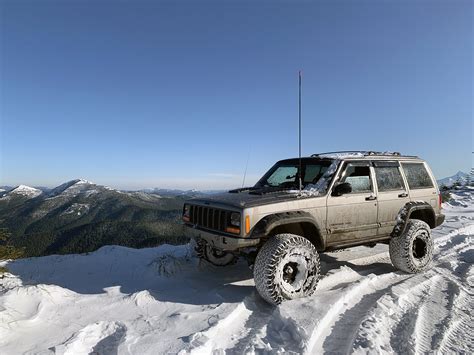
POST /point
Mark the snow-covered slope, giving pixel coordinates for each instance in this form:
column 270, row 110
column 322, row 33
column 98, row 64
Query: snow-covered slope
column 22, row 191
column 72, row 188
column 162, row 300
column 460, row 177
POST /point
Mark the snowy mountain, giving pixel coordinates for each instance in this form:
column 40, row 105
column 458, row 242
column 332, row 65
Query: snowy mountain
column 22, row 191
column 81, row 216
column 460, row 177
column 178, row 192
column 163, row 300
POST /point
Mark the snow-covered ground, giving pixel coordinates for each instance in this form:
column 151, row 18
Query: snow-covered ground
column 161, row 300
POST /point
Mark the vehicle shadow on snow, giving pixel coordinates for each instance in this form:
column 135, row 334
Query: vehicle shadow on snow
column 183, row 279
column 330, row 262
column 168, row 274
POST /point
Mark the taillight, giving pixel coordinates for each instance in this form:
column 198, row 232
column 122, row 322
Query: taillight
column 440, row 199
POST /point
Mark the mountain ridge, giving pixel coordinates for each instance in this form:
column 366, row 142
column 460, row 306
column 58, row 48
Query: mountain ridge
column 80, row 216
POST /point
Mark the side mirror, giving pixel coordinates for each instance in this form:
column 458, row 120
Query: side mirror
column 341, row 189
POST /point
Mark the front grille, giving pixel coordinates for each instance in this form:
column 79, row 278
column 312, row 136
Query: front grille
column 210, row 218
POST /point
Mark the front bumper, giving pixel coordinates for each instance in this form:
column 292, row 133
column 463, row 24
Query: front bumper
column 439, row 219
column 219, row 241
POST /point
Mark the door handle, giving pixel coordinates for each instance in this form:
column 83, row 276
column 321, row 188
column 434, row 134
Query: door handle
column 371, row 198
column 404, row 194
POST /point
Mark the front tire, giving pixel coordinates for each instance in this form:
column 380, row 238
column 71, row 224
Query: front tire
column 412, row 251
column 214, row 256
column 286, row 267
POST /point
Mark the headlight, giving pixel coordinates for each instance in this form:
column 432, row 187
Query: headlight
column 235, row 219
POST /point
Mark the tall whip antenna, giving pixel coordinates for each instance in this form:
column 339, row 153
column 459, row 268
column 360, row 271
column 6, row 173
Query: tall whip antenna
column 299, row 130
column 246, row 166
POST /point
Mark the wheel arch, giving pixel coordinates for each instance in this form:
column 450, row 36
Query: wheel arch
column 414, row 210
column 294, row 222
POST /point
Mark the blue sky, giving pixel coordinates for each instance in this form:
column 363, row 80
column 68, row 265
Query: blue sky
column 179, row 94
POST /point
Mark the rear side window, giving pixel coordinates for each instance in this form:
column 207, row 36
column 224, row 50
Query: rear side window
column 389, row 178
column 417, row 176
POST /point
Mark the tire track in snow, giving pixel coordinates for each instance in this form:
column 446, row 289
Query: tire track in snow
column 350, row 299
column 421, row 316
column 345, row 328
column 458, row 333
column 389, row 316
column 431, row 313
column 399, row 315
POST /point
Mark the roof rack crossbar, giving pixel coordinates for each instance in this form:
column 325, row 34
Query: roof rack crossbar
column 363, row 152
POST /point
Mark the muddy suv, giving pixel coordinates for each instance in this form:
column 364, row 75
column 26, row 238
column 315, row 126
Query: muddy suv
column 328, row 201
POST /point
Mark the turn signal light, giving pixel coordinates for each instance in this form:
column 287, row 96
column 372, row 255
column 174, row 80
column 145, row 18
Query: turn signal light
column 247, row 224
column 232, row 230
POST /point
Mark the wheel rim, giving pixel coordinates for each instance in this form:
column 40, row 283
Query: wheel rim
column 420, row 248
column 218, row 257
column 290, row 270
column 296, row 271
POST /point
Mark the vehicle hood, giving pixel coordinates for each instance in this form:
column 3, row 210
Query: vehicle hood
column 245, row 199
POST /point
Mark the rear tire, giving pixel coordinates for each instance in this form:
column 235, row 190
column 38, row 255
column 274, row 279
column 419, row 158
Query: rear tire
column 412, row 251
column 286, row 267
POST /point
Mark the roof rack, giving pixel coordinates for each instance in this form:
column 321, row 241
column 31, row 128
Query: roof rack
column 358, row 152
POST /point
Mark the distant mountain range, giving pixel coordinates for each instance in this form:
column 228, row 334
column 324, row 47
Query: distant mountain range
column 80, row 216
column 460, row 177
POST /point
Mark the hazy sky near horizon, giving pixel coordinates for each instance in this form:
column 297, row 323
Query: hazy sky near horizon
column 135, row 94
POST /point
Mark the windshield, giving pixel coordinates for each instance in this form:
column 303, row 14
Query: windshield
column 284, row 174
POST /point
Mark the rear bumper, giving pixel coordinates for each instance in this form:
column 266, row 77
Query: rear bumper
column 219, row 241
column 439, row 219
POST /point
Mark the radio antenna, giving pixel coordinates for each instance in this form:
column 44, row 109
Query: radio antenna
column 246, row 166
column 299, row 130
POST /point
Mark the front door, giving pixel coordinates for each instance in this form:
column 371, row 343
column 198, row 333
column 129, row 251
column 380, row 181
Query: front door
column 352, row 217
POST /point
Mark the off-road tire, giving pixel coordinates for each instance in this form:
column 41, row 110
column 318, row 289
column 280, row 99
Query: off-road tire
column 205, row 252
column 412, row 251
column 275, row 256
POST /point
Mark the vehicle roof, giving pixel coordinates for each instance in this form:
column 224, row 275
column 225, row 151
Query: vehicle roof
column 359, row 155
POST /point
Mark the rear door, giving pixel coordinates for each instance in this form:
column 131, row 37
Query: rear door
column 353, row 216
column 392, row 194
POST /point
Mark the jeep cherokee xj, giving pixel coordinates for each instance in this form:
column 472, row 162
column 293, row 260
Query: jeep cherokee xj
column 345, row 199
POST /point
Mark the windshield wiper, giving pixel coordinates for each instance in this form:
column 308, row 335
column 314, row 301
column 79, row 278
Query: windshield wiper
column 269, row 190
column 242, row 189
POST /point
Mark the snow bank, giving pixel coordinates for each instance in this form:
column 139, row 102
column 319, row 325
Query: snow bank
column 163, row 300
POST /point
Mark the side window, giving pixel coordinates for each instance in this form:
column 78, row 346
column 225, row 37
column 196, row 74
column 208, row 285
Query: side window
column 388, row 178
column 417, row 176
column 358, row 176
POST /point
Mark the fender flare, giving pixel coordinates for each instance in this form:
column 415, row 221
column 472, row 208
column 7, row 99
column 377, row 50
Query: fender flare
column 405, row 213
column 268, row 223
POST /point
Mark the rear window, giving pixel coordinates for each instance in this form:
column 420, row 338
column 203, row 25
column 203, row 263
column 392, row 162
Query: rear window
column 417, row 176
